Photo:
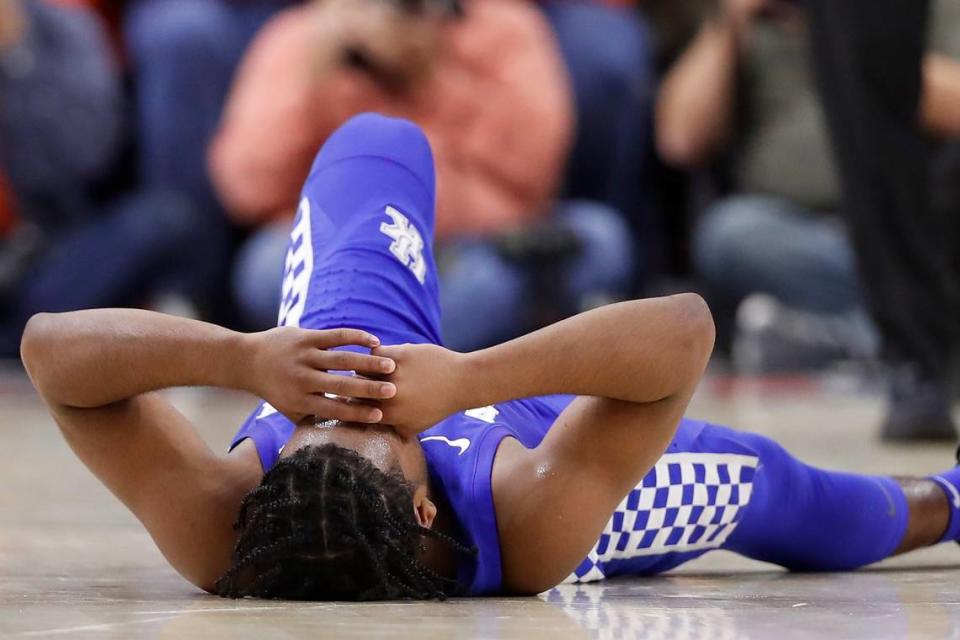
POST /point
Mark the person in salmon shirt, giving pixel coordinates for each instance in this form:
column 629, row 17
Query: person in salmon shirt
column 488, row 85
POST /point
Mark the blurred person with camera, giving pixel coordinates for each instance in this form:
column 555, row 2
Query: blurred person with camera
column 744, row 92
column 488, row 84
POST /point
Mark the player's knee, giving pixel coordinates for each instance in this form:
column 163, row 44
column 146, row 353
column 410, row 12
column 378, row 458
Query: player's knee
column 383, row 130
column 372, row 134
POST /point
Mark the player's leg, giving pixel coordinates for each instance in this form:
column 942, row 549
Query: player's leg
column 360, row 252
column 810, row 519
column 716, row 488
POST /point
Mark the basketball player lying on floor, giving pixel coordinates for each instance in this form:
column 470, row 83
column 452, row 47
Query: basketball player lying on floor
column 483, row 483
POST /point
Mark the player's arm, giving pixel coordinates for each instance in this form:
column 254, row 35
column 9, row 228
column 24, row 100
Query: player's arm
column 635, row 366
column 97, row 370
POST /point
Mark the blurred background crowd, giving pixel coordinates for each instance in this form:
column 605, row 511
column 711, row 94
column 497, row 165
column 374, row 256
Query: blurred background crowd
column 793, row 160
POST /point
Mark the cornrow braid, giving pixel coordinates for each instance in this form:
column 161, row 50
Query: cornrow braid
column 326, row 524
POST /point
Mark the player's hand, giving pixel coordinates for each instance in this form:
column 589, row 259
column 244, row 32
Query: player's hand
column 289, row 368
column 430, row 382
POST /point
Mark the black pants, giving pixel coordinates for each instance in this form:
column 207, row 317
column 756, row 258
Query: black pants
column 867, row 58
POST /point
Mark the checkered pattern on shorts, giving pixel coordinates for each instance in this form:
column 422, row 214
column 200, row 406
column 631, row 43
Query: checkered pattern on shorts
column 688, row 502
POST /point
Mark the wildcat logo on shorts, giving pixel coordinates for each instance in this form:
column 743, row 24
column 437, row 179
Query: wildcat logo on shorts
column 407, row 245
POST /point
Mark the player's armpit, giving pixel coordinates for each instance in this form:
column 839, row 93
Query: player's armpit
column 553, row 502
column 151, row 457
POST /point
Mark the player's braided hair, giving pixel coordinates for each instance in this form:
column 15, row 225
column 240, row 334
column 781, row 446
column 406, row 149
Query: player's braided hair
column 326, row 524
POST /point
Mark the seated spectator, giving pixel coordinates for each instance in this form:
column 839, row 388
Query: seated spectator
column 182, row 57
column 60, row 107
column 491, row 93
column 110, row 13
column 609, row 58
column 61, row 120
column 743, row 91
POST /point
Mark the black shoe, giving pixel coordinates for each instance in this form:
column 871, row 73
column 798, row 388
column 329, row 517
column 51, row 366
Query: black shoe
column 772, row 338
column 919, row 409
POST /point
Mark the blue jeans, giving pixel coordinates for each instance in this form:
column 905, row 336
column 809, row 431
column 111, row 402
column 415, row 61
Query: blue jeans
column 255, row 280
column 184, row 54
column 487, row 298
column 139, row 245
column 758, row 244
column 608, row 54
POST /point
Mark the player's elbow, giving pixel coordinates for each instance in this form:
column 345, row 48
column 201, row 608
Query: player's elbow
column 44, row 347
column 698, row 332
column 34, row 344
column 38, row 350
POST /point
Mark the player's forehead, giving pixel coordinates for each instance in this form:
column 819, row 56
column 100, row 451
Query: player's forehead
column 377, row 444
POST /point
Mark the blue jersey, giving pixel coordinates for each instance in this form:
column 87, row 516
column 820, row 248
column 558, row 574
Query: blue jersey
column 360, row 256
column 689, row 503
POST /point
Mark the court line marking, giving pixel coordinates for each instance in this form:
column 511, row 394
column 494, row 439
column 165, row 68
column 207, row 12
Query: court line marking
column 106, row 626
column 212, row 610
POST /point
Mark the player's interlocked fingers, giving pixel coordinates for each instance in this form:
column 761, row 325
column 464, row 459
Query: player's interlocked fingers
column 430, row 384
column 290, row 368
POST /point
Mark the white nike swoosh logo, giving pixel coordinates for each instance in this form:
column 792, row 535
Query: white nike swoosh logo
column 460, row 443
column 950, row 489
column 266, row 410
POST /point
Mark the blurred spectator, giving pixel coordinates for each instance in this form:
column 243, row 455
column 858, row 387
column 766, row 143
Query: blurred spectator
column 744, row 90
column 60, row 108
column 675, row 24
column 60, row 123
column 875, row 75
column 491, row 93
column 608, row 55
column 61, row 118
column 183, row 54
column 110, row 13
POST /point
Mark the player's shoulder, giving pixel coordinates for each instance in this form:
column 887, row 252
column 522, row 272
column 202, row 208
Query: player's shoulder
column 460, row 453
column 269, row 431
